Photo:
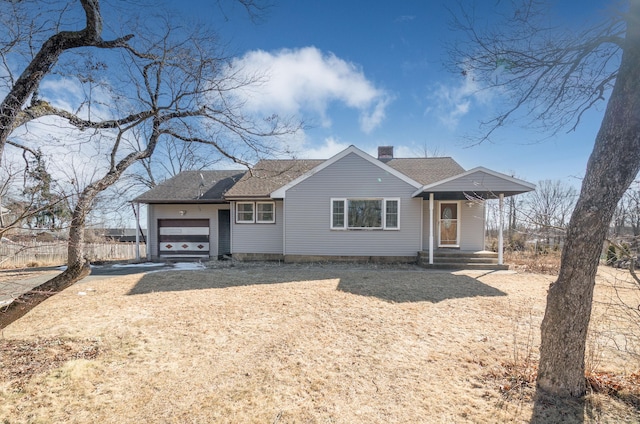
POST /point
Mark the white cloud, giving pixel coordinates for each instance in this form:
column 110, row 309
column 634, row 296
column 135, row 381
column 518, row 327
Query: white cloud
column 69, row 94
column 454, row 102
column 329, row 148
column 306, row 81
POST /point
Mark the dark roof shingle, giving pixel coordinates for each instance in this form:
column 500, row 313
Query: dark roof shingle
column 193, row 187
column 269, row 175
column 426, row 170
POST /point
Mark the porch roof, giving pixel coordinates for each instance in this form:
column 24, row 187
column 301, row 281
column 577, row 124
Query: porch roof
column 477, row 183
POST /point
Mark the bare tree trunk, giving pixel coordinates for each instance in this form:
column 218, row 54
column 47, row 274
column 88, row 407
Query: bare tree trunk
column 613, row 165
column 44, row 60
column 77, row 265
column 26, row 302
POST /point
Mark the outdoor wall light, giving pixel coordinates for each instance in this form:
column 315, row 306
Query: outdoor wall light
column 182, row 213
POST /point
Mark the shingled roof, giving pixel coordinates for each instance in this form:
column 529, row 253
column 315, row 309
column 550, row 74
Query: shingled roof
column 426, row 170
column 193, row 187
column 269, row 175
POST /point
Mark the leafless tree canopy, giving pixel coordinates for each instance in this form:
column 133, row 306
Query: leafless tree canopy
column 171, row 83
column 547, row 72
column 550, row 74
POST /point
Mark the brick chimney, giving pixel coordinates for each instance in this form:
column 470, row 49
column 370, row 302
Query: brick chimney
column 385, row 153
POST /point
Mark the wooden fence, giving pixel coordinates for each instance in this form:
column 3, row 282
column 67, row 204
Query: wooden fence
column 18, row 255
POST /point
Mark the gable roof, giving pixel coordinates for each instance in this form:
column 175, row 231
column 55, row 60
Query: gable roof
column 269, row 175
column 427, row 170
column 193, row 187
column 280, row 192
column 479, row 182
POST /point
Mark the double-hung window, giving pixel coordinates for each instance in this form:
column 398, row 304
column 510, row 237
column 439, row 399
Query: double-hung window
column 265, row 213
column 255, row 212
column 244, row 212
column 370, row 214
column 391, row 214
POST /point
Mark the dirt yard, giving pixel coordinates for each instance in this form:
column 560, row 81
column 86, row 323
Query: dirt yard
column 300, row 344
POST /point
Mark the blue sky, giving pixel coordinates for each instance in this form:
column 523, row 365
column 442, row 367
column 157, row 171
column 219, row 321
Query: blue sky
column 372, row 73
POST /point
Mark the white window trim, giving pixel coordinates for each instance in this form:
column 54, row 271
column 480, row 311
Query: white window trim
column 273, row 212
column 241, row 221
column 346, row 200
column 384, row 223
column 344, row 213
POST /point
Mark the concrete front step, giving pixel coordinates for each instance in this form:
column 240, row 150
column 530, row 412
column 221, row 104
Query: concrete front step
column 459, row 253
column 485, row 267
column 456, row 259
column 461, row 259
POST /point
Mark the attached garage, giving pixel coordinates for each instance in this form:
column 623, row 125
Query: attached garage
column 188, row 216
column 183, row 237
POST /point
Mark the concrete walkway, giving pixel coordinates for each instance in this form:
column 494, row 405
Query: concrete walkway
column 12, row 288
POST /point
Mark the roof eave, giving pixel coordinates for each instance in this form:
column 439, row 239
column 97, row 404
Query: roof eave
column 248, row 197
column 524, row 186
column 280, row 193
column 466, row 195
column 180, row 201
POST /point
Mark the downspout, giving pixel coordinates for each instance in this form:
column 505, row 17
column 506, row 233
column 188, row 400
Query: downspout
column 284, row 228
column 232, row 218
column 500, row 240
column 421, row 224
column 137, row 210
column 431, row 200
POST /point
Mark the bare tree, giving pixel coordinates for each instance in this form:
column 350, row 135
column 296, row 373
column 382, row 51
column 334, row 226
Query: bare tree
column 171, row 158
column 626, row 218
column 549, row 207
column 552, row 75
column 182, row 90
column 427, row 151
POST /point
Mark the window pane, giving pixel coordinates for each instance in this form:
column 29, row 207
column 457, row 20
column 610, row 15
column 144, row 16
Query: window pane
column 337, row 215
column 365, row 213
column 391, row 220
column 265, row 212
column 245, row 212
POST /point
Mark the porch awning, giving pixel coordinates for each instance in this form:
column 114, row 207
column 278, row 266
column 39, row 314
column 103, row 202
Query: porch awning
column 477, row 183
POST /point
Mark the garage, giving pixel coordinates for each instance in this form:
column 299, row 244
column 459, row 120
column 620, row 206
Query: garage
column 183, row 237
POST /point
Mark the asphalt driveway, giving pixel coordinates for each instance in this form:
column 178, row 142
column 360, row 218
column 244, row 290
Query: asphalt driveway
column 14, row 283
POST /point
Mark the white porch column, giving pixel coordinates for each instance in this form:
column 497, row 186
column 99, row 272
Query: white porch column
column 137, row 231
column 500, row 239
column 430, row 228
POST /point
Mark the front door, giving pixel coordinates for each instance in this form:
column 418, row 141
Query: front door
column 448, row 223
column 224, row 232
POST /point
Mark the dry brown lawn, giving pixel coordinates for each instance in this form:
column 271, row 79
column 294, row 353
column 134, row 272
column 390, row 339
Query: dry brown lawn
column 299, row 344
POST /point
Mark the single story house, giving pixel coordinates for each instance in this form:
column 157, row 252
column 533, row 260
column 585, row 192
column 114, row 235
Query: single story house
column 352, row 206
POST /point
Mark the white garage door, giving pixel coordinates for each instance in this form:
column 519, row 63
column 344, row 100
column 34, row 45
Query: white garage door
column 183, row 237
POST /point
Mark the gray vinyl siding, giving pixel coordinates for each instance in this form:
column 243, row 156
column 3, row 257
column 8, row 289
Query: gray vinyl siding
column 308, row 212
column 471, row 226
column 202, row 211
column 480, row 181
column 425, row 225
column 257, row 238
